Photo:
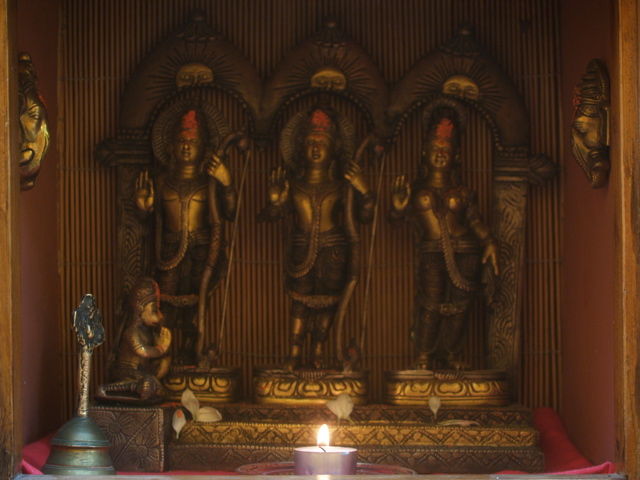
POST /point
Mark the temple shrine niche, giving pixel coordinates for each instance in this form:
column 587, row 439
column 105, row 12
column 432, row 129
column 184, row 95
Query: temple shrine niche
column 203, row 144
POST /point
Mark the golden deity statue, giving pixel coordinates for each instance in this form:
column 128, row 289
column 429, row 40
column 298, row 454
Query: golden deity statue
column 322, row 192
column 190, row 200
column 142, row 356
column 453, row 243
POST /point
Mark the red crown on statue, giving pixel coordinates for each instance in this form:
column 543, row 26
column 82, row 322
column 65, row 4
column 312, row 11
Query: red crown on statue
column 189, row 124
column 444, row 129
column 321, row 124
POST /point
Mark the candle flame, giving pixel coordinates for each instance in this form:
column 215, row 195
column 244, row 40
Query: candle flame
column 323, row 436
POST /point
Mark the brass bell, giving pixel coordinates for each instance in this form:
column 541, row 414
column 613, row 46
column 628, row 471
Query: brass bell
column 79, row 448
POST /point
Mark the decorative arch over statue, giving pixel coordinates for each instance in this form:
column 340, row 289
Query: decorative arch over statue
column 194, row 55
column 462, row 70
column 330, row 63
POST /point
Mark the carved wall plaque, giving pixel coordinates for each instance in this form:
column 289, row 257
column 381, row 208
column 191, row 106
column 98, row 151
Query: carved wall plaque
column 590, row 124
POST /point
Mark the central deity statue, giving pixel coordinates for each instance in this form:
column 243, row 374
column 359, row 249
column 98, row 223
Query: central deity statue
column 323, row 192
column 453, row 243
column 189, row 200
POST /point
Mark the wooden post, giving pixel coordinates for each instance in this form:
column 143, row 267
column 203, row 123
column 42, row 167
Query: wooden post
column 10, row 357
column 625, row 150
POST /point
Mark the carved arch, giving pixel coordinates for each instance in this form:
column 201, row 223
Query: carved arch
column 196, row 43
column 332, row 52
column 463, row 56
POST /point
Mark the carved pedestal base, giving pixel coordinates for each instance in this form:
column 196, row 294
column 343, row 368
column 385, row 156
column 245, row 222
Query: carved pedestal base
column 307, row 386
column 219, row 385
column 415, row 387
column 498, row 438
column 139, row 436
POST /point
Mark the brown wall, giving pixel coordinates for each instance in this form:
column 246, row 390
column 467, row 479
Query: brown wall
column 588, row 251
column 38, row 35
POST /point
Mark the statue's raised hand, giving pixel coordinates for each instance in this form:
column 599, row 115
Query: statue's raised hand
column 278, row 187
column 353, row 175
column 144, row 196
column 218, row 170
column 400, row 193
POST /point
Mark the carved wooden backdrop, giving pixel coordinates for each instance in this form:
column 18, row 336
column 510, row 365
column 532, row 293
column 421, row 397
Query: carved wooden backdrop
column 103, row 41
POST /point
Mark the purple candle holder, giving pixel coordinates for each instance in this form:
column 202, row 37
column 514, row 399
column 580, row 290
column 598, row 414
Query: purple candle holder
column 325, row 461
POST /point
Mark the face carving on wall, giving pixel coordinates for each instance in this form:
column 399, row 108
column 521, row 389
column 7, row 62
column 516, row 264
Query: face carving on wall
column 193, row 74
column 461, row 86
column 34, row 126
column 589, row 127
column 329, row 78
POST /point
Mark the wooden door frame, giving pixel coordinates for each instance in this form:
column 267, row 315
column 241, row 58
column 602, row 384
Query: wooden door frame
column 10, row 306
column 624, row 153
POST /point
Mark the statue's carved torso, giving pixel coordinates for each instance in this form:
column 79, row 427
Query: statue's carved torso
column 450, row 205
column 320, row 203
column 185, row 205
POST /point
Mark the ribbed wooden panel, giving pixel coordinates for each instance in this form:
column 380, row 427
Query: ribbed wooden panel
column 103, row 41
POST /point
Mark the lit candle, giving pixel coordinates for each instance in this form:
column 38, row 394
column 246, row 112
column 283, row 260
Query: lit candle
column 323, row 459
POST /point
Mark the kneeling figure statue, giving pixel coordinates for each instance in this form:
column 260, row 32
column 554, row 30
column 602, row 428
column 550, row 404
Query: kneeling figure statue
column 141, row 358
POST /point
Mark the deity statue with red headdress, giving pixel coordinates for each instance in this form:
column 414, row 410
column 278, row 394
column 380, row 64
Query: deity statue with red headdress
column 190, row 199
column 453, row 242
column 322, row 192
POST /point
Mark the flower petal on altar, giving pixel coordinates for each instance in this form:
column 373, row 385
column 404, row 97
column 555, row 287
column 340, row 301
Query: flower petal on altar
column 434, row 405
column 209, row 414
column 178, row 421
column 191, row 403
